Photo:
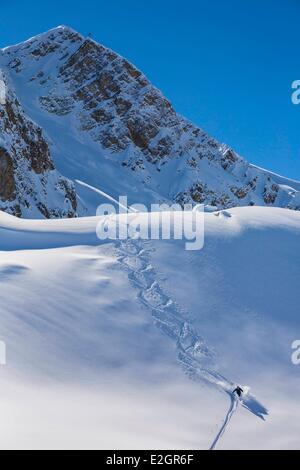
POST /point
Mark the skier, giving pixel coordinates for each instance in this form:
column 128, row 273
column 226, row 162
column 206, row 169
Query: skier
column 239, row 391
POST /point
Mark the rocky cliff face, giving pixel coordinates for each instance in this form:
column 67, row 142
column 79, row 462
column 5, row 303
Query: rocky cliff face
column 29, row 184
column 108, row 123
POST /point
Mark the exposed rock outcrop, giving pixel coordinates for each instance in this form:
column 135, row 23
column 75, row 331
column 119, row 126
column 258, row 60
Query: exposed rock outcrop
column 130, row 132
column 29, row 184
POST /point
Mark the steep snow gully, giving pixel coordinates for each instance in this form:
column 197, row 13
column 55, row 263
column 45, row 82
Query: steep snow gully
column 193, row 354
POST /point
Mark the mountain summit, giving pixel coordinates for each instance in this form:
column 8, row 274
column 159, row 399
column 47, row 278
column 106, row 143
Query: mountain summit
column 78, row 109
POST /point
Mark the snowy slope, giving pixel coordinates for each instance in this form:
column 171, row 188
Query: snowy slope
column 110, row 344
column 107, row 125
column 111, row 334
column 29, row 184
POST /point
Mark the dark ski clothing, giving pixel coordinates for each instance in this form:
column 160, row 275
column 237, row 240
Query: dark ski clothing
column 239, row 391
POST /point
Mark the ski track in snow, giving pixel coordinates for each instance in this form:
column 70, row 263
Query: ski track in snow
column 232, row 409
column 192, row 352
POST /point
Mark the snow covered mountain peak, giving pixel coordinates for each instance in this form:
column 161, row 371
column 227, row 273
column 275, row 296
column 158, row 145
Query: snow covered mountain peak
column 107, row 124
column 55, row 36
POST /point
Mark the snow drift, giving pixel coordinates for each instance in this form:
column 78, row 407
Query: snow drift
column 85, row 351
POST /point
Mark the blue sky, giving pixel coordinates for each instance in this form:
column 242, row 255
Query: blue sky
column 226, row 65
